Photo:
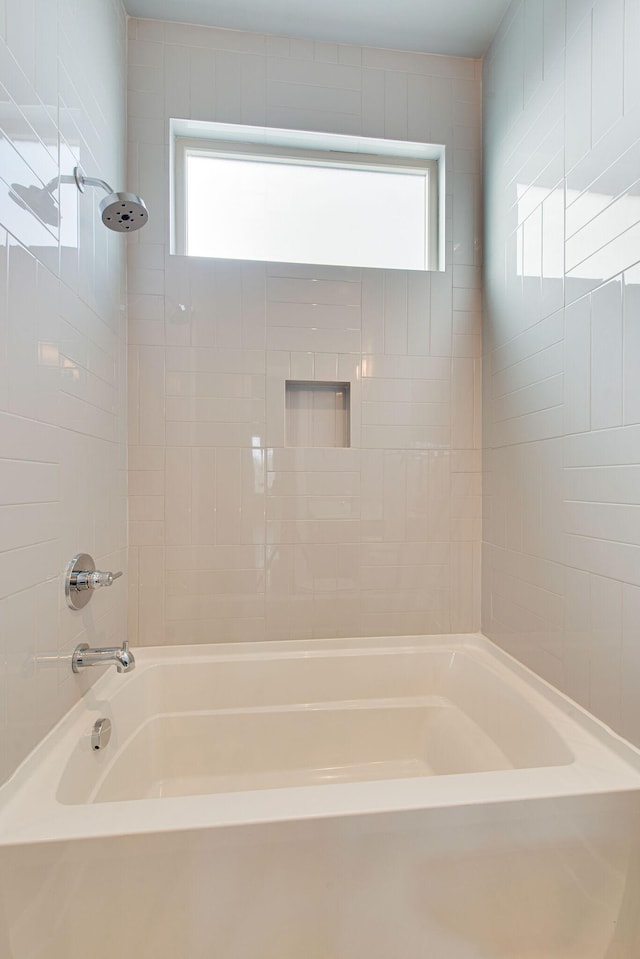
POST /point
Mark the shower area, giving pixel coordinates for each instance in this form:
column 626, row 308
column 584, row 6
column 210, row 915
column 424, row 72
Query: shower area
column 374, row 525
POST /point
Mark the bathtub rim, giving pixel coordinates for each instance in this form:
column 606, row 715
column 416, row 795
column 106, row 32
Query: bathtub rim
column 604, row 761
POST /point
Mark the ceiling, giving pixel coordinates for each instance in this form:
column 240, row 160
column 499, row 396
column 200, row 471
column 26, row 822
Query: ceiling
column 458, row 27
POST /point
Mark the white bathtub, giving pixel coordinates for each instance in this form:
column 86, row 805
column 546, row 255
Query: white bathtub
column 335, row 799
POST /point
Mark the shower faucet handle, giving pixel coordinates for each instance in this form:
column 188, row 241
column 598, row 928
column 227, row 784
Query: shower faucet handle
column 96, row 579
column 82, row 579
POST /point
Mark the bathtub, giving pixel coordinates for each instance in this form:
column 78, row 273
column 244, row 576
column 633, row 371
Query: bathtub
column 329, row 799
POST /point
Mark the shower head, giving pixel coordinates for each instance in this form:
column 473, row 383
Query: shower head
column 123, row 212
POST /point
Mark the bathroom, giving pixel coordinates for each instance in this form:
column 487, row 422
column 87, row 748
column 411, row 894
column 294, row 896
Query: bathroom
column 481, row 478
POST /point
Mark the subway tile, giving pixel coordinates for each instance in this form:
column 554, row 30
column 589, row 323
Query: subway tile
column 146, row 482
column 235, row 629
column 243, row 582
column 373, row 103
column 301, row 49
column 312, row 339
column 214, row 557
column 312, row 507
column 312, row 531
column 61, row 347
column 186, row 359
column 395, row 105
column 349, row 55
column 401, row 367
column 631, row 350
column 304, row 484
column 151, row 367
column 615, row 522
column 631, row 79
column 146, row 457
column 314, row 73
column 577, row 366
column 206, row 390
column 312, row 316
column 606, row 356
column 420, row 64
column 231, row 386
column 203, row 409
column 27, row 566
column 150, row 595
column 145, row 53
column 612, row 447
column 297, row 97
column 405, row 414
column 205, row 502
column 146, row 533
column 28, row 523
column 578, row 91
column 395, row 297
column 203, row 433
column 214, row 607
column 612, row 484
column 630, row 664
column 286, row 289
column 405, row 437
column 607, row 67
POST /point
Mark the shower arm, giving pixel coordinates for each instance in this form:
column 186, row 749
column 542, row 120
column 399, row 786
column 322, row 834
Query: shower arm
column 80, row 180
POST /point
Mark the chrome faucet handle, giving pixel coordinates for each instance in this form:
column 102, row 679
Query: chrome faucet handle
column 82, row 578
column 97, row 579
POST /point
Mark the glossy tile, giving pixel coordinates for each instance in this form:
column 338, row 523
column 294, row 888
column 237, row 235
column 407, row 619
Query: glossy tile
column 215, row 341
column 560, row 524
column 62, row 355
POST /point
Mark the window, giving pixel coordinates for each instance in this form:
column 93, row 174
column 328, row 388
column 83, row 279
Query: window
column 295, row 197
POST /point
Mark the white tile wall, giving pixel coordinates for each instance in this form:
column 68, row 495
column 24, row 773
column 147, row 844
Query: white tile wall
column 561, row 566
column 379, row 538
column 62, row 354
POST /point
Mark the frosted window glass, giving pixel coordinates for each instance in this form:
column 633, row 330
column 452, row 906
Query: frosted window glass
column 304, row 213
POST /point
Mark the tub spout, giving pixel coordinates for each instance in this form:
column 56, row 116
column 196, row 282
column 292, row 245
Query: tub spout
column 125, row 660
column 120, row 656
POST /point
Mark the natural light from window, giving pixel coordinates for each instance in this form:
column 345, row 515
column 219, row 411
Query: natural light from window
column 306, row 212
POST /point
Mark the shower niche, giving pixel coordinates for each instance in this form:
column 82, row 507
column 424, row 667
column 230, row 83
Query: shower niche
column 317, row 413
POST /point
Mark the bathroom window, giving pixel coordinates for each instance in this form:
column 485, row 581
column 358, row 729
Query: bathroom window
column 294, row 197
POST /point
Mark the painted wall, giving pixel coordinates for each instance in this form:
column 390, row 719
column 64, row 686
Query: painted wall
column 561, row 558
column 62, row 353
column 234, row 536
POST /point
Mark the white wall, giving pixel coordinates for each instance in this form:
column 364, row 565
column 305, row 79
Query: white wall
column 561, row 560
column 62, row 335
column 234, row 536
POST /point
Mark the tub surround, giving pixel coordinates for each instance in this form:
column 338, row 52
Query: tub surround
column 62, row 352
column 291, row 542
column 561, row 560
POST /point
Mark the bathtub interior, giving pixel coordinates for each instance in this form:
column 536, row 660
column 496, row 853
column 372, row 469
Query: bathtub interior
column 232, row 724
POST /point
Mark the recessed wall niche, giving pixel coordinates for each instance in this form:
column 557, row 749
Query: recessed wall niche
column 317, row 413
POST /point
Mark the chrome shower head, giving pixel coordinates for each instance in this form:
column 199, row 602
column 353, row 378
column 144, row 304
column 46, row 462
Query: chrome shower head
column 123, row 212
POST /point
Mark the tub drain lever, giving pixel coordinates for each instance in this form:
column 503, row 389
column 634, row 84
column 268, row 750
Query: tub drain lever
column 101, row 733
